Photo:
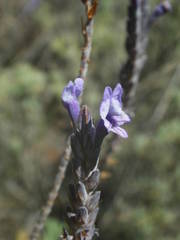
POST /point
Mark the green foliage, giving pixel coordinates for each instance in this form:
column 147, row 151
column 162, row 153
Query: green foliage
column 53, row 229
column 39, row 54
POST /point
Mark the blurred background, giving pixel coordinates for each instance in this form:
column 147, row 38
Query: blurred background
column 40, row 43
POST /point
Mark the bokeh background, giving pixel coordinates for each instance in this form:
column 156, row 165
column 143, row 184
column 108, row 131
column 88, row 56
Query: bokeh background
column 40, row 43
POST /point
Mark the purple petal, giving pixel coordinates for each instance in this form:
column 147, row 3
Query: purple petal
column 74, row 110
column 79, row 82
column 159, row 11
column 121, row 119
column 167, row 6
column 107, row 124
column 115, row 107
column 107, row 93
column 105, row 104
column 119, row 131
column 118, row 92
column 104, row 108
column 70, row 96
column 162, row 8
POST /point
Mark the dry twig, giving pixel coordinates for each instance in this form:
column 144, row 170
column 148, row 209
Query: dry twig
column 87, row 31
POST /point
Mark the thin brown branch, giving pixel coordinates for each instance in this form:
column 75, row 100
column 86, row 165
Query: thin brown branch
column 87, row 31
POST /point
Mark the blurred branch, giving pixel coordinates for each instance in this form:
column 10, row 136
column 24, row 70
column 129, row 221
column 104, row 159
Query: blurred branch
column 136, row 43
column 138, row 25
column 163, row 104
column 139, row 22
column 87, row 31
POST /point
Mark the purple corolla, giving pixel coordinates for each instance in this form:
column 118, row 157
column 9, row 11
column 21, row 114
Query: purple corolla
column 111, row 111
column 160, row 10
column 70, row 96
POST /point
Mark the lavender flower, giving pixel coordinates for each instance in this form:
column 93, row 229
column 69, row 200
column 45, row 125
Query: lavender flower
column 70, row 96
column 111, row 111
column 160, row 10
column 86, row 143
